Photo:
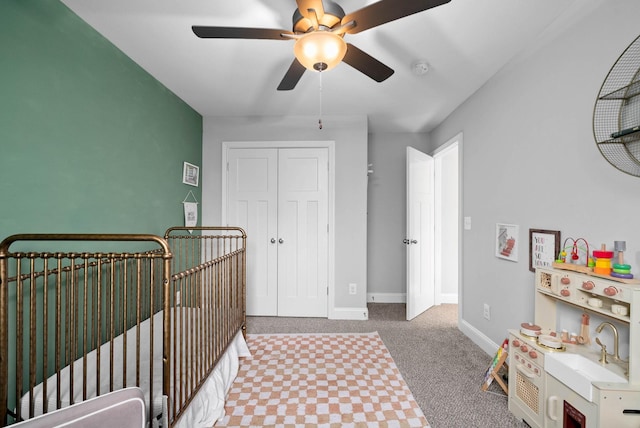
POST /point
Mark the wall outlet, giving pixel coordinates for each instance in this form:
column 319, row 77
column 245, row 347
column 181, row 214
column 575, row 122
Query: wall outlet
column 487, row 311
column 353, row 288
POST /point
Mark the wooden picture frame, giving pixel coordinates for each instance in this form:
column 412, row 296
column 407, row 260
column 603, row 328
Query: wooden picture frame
column 544, row 247
column 507, row 241
column 190, row 174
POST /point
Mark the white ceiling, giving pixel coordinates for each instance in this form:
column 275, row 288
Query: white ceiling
column 464, row 42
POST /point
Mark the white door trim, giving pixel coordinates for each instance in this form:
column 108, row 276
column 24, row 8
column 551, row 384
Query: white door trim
column 456, row 141
column 226, row 145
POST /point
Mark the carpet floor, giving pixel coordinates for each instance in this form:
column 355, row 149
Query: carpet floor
column 320, row 380
column 443, row 368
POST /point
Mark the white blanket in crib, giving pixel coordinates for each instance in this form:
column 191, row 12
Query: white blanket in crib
column 205, row 408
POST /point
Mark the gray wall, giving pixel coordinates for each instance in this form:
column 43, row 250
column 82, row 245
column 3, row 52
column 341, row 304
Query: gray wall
column 386, row 228
column 529, row 158
column 350, row 136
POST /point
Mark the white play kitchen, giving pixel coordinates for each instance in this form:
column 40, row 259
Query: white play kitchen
column 577, row 364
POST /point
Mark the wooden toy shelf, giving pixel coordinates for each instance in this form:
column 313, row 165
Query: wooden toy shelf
column 588, row 271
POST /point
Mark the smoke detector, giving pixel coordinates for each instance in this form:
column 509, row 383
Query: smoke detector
column 420, row 68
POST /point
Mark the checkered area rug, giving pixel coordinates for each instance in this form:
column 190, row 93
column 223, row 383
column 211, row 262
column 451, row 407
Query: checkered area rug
column 320, row 380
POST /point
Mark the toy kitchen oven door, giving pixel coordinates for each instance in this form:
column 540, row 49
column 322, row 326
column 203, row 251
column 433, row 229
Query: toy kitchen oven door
column 567, row 409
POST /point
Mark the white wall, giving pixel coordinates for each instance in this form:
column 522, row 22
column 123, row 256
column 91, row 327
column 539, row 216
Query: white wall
column 350, row 136
column 530, row 158
column 387, row 219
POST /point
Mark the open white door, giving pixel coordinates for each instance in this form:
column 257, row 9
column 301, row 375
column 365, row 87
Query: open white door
column 420, row 233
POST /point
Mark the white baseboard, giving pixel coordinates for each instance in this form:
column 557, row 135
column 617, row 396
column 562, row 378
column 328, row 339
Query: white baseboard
column 349, row 314
column 386, row 298
column 477, row 337
column 402, row 298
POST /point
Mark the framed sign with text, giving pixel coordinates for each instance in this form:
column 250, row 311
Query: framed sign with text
column 544, row 247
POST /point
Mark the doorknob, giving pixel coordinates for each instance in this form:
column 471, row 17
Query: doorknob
column 405, row 241
column 414, row 241
column 281, row 240
column 273, row 240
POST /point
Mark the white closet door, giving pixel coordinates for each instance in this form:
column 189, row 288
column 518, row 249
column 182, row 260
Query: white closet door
column 252, row 185
column 303, row 177
column 280, row 197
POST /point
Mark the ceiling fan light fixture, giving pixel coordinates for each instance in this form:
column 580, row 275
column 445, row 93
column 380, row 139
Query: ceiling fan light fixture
column 320, row 50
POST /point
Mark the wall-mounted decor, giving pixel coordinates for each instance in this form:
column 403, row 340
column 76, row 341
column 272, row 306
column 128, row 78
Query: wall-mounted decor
column 190, row 211
column 190, row 174
column 616, row 116
column 544, row 248
column 507, row 241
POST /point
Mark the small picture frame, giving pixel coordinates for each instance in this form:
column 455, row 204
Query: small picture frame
column 507, row 241
column 544, row 248
column 190, row 174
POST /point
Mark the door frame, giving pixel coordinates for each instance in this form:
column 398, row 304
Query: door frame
column 456, row 141
column 330, row 145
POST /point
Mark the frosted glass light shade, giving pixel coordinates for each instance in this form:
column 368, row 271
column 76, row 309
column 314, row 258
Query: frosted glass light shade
column 320, row 50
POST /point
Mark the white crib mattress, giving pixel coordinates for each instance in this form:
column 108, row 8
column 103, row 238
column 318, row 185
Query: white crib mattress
column 204, row 407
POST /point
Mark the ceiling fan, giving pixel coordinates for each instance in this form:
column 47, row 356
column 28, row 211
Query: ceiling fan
column 319, row 27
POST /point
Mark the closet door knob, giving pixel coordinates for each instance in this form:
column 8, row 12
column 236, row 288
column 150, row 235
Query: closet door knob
column 273, row 240
column 281, row 240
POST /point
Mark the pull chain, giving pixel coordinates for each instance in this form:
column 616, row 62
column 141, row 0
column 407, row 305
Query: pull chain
column 320, row 90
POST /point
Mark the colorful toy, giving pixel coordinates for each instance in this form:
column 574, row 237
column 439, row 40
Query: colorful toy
column 603, row 260
column 620, row 269
column 575, row 251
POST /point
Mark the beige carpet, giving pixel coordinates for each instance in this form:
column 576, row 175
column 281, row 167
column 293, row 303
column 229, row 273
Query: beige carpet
column 320, row 380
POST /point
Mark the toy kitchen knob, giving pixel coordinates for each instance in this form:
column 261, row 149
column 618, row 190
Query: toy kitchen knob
column 524, row 348
column 588, row 285
column 565, row 292
column 565, row 280
column 533, row 354
column 516, row 343
column 611, row 291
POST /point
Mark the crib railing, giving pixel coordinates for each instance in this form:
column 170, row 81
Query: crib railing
column 64, row 297
column 209, row 265
column 58, row 305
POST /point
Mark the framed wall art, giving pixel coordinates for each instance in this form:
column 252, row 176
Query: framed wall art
column 507, row 241
column 190, row 174
column 544, row 247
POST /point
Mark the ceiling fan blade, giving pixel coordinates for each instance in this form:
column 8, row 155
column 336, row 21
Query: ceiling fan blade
column 240, row 33
column 366, row 64
column 292, row 76
column 305, row 5
column 386, row 11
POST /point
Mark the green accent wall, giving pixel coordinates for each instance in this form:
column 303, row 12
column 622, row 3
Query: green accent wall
column 89, row 141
